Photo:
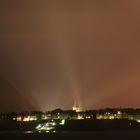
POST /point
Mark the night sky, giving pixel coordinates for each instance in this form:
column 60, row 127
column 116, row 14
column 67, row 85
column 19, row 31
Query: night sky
column 53, row 51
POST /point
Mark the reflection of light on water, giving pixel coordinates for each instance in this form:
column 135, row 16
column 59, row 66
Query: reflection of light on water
column 28, row 132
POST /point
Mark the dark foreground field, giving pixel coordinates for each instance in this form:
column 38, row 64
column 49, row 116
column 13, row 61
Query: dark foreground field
column 102, row 135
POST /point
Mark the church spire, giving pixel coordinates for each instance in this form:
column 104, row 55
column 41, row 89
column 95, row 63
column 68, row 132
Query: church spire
column 76, row 107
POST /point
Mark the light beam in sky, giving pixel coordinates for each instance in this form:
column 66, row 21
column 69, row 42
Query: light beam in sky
column 55, row 51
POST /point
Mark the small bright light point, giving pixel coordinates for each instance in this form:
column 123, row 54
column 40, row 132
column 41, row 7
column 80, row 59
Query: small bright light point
column 119, row 112
column 54, row 124
column 39, row 126
column 46, row 124
column 62, row 122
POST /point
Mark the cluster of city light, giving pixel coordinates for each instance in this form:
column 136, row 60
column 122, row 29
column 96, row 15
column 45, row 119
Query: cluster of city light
column 118, row 115
column 49, row 126
column 45, row 127
column 110, row 116
column 26, row 118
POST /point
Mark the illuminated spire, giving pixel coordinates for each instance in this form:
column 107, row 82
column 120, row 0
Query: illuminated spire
column 76, row 107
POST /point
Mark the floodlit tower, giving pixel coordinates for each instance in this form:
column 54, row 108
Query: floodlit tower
column 76, row 107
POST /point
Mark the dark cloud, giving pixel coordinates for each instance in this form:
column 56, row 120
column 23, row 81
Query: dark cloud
column 53, row 51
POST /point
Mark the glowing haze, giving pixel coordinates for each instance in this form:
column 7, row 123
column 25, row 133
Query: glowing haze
column 54, row 51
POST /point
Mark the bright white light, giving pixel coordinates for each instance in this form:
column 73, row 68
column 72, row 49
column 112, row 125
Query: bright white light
column 138, row 121
column 39, row 126
column 111, row 117
column 119, row 112
column 46, row 124
column 33, row 118
column 14, row 119
column 48, row 128
column 62, row 122
column 54, row 124
column 88, row 117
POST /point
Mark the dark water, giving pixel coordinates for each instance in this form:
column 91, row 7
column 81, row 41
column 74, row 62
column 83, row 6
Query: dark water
column 100, row 135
